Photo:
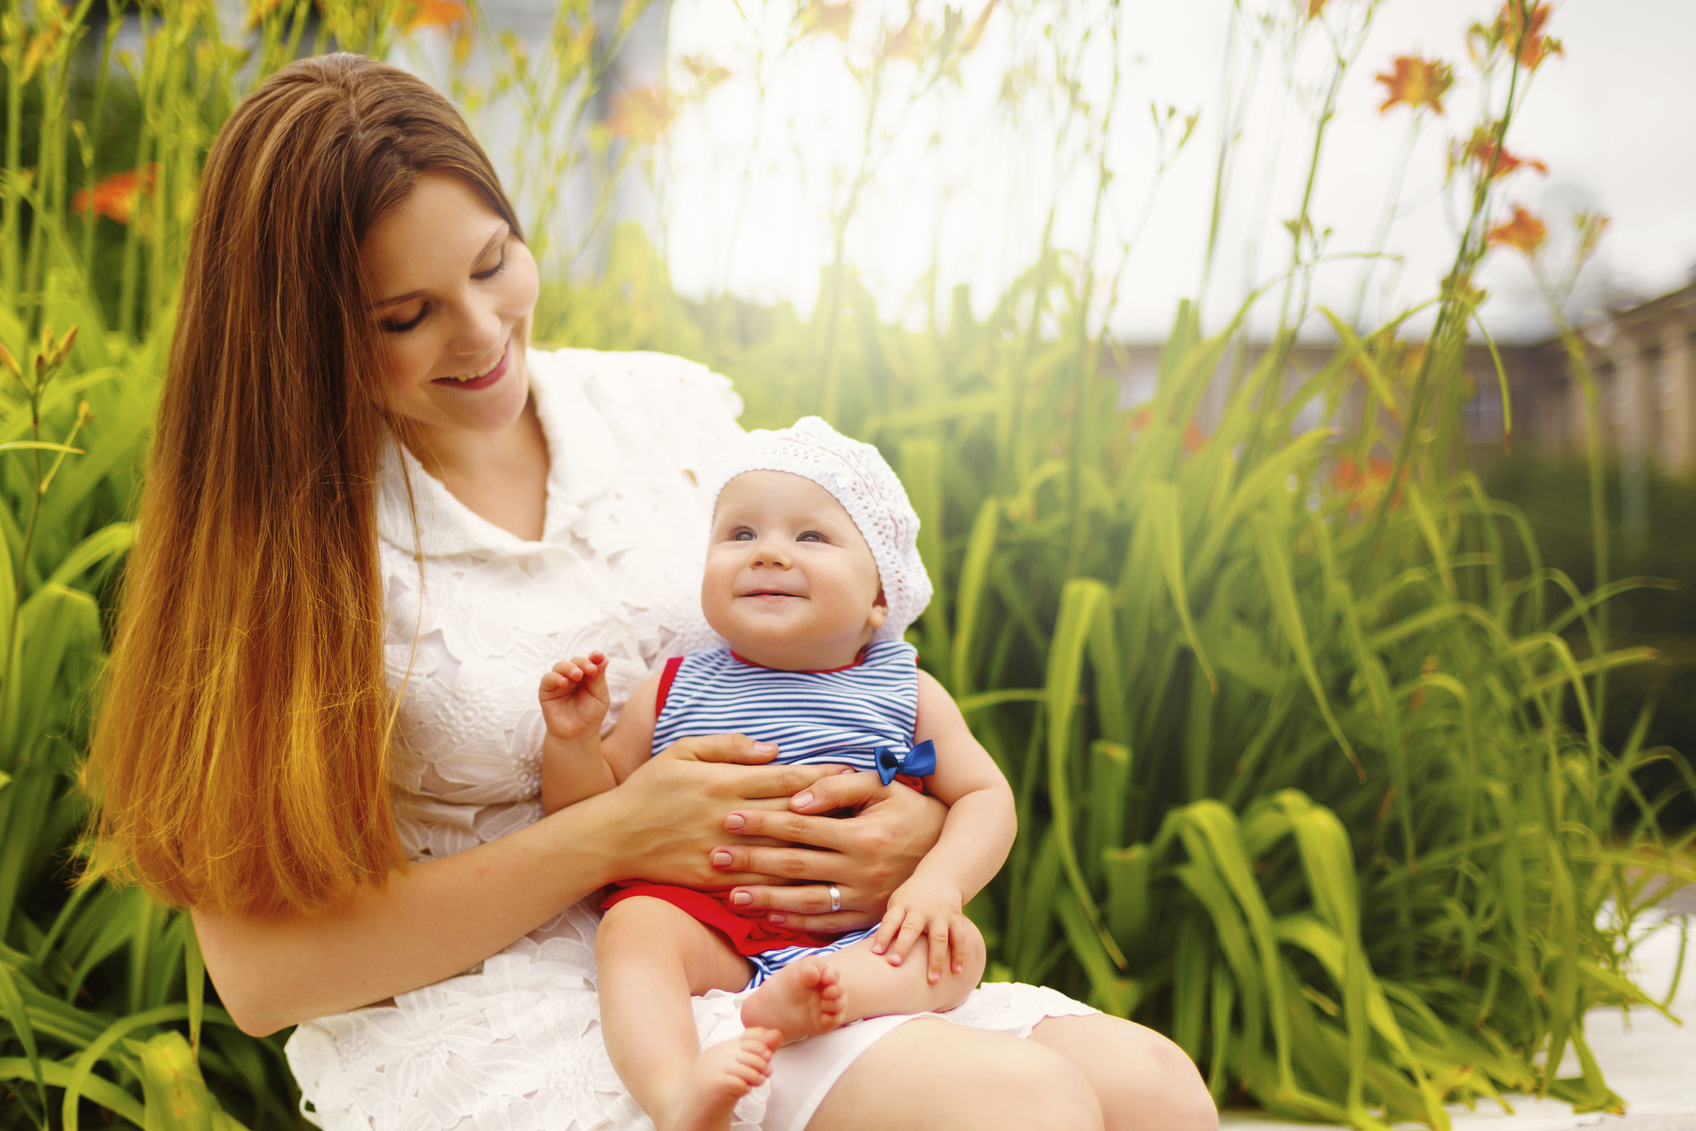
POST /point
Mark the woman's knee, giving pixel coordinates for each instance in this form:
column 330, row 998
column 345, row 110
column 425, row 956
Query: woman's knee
column 952, row 1078
column 1142, row 1079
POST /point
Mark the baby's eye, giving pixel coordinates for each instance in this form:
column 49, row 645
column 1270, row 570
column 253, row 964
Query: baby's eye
column 810, row 536
column 742, row 536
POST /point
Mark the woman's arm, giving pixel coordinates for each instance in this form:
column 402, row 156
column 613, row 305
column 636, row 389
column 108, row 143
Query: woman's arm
column 445, row 915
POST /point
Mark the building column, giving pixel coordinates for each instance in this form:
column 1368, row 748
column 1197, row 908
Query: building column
column 1577, row 422
column 1633, row 405
column 1676, row 400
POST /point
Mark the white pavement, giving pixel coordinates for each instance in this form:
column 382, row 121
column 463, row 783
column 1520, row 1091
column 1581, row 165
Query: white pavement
column 1648, row 1060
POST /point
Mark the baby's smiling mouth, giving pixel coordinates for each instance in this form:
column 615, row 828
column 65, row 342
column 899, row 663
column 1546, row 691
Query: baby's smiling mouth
column 767, row 593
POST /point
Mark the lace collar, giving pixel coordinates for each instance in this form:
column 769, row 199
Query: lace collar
column 582, row 459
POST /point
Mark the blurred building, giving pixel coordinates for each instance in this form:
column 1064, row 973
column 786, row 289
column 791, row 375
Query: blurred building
column 1641, row 358
column 1645, row 372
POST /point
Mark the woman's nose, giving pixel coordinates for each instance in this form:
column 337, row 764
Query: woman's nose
column 479, row 330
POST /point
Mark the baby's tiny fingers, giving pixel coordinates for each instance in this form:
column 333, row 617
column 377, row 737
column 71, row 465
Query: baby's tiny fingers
column 938, row 951
column 886, row 930
column 911, row 929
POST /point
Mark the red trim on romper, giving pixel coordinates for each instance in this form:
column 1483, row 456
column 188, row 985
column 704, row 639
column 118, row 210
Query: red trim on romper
column 666, row 676
column 859, row 658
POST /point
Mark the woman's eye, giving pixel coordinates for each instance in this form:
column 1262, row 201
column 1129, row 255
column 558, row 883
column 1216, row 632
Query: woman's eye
column 493, row 271
column 403, row 327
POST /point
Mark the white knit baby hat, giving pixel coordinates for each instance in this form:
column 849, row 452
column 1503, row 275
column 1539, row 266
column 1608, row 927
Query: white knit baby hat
column 868, row 490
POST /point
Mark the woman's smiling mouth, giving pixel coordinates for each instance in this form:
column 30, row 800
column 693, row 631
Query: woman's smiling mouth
column 486, row 378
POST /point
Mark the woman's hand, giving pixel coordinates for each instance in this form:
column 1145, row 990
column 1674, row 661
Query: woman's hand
column 672, row 810
column 865, row 857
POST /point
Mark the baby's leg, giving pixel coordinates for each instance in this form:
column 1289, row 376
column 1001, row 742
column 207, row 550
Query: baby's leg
column 817, row 993
column 651, row 956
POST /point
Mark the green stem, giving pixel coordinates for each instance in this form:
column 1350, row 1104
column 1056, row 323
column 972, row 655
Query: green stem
column 14, row 147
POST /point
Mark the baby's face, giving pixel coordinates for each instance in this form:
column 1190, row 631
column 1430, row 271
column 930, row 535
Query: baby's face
column 790, row 581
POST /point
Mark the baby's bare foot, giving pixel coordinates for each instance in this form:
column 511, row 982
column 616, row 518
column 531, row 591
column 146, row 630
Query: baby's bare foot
column 802, row 1000
column 705, row 1098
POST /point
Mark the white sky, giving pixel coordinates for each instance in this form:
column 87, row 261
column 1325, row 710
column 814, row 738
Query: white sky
column 1610, row 120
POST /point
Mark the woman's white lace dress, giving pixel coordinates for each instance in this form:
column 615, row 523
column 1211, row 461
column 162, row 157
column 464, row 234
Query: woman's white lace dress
column 477, row 614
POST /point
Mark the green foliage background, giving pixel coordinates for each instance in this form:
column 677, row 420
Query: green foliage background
column 1309, row 773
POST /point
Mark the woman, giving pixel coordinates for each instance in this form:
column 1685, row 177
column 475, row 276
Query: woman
column 366, row 489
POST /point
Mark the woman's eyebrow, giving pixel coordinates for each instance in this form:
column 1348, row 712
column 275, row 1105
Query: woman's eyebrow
column 498, row 236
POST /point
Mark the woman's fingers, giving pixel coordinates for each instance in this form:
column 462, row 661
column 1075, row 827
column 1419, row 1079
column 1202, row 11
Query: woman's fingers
column 737, row 748
column 841, row 791
column 804, row 899
column 819, row 832
column 803, row 907
column 838, row 924
column 799, row 865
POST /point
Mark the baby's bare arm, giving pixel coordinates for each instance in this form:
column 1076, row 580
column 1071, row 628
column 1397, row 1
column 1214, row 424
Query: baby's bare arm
column 631, row 742
column 981, row 822
column 574, row 700
column 975, row 839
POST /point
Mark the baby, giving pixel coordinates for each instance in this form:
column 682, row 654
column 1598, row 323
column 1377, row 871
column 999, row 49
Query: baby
column 812, row 576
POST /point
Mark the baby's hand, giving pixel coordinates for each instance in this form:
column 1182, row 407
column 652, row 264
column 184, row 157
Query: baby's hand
column 925, row 906
column 575, row 697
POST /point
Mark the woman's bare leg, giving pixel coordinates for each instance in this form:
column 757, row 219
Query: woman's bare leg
column 1143, row 1081
column 816, row 994
column 651, row 957
column 945, row 1077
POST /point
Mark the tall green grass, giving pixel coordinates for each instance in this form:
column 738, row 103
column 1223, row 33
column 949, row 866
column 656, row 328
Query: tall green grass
column 1287, row 735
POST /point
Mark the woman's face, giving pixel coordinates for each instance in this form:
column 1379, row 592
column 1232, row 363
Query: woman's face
column 454, row 294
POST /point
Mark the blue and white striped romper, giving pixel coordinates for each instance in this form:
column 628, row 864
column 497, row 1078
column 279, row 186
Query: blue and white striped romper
column 832, row 716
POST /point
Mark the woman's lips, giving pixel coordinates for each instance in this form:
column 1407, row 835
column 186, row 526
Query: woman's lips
column 486, row 379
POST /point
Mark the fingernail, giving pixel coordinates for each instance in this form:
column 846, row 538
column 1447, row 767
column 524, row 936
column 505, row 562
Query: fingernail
column 741, row 898
column 765, row 748
column 721, row 859
column 777, row 917
column 801, row 800
column 895, row 960
column 734, row 822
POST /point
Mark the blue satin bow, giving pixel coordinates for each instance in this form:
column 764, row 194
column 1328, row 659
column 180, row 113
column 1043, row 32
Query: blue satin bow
column 919, row 762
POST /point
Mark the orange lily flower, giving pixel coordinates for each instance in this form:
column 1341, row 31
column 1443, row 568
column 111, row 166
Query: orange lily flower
column 116, row 196
column 1482, row 149
column 1194, row 438
column 909, row 42
column 432, row 13
column 1523, row 231
column 1417, row 82
column 833, row 18
column 1523, row 33
column 1362, row 487
column 642, row 114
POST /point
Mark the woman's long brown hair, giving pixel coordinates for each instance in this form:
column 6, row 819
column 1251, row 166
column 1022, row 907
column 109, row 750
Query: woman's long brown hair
column 240, row 757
